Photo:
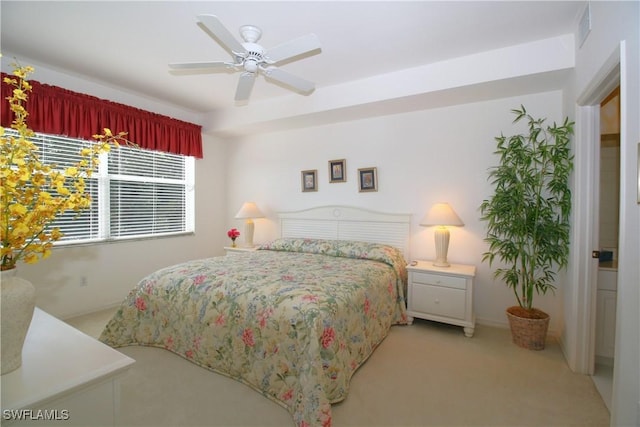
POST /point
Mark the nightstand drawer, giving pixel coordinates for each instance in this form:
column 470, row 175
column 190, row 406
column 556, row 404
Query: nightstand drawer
column 437, row 300
column 439, row 280
column 234, row 253
column 237, row 250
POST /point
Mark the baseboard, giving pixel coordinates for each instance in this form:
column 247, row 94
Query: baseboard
column 492, row 323
column 605, row 361
column 505, row 325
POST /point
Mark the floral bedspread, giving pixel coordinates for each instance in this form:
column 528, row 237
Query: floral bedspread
column 293, row 320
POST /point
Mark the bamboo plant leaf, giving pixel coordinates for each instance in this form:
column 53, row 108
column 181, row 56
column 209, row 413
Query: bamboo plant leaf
column 528, row 215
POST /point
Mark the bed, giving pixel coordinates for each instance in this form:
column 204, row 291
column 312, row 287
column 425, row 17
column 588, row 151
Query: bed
column 293, row 320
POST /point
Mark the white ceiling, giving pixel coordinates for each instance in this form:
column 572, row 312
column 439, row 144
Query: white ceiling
column 128, row 44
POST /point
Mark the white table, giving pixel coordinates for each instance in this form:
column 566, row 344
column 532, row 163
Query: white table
column 442, row 294
column 66, row 378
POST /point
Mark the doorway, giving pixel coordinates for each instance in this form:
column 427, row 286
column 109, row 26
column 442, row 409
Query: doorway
column 608, row 231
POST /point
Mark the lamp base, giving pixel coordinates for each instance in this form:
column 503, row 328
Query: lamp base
column 441, row 236
column 249, row 226
column 441, row 264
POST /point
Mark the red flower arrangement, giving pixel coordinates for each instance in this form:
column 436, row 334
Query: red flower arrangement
column 233, row 235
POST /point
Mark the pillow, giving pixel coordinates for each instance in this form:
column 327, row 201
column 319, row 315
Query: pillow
column 343, row 248
column 375, row 251
column 314, row 246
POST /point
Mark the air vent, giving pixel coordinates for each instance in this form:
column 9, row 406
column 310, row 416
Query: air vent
column 584, row 27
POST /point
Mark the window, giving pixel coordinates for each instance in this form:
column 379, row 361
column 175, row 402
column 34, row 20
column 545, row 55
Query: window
column 136, row 193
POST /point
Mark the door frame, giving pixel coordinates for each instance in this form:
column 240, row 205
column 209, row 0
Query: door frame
column 586, row 219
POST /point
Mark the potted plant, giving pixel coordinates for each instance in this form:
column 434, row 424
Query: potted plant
column 528, row 219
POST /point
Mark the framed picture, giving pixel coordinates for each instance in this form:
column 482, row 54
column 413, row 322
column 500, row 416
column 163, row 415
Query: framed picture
column 337, row 170
column 368, row 179
column 310, row 180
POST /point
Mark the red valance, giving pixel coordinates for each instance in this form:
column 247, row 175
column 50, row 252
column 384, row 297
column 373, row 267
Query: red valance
column 57, row 111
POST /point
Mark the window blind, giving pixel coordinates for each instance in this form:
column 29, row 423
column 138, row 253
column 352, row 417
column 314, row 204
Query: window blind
column 147, row 193
column 136, row 193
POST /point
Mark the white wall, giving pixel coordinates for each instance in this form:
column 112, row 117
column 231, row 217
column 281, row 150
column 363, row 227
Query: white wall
column 422, row 157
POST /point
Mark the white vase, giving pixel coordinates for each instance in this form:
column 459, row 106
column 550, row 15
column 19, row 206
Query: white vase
column 18, row 300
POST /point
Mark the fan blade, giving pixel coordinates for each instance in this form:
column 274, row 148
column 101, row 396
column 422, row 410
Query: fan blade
column 292, row 48
column 289, row 80
column 245, row 85
column 212, row 25
column 200, row 65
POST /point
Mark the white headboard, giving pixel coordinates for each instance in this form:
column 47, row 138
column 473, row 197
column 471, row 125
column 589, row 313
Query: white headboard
column 348, row 223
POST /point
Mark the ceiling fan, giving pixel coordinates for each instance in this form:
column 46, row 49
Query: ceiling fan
column 251, row 59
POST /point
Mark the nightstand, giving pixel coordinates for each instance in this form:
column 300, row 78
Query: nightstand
column 442, row 294
column 230, row 250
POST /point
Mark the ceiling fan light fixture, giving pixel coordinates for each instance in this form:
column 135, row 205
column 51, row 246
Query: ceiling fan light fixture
column 250, row 33
column 250, row 66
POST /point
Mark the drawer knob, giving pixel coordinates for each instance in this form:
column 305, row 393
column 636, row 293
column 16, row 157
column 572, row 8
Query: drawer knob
column 437, row 301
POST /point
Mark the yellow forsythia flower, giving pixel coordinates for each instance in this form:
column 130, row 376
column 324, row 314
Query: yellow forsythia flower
column 31, row 258
column 17, row 209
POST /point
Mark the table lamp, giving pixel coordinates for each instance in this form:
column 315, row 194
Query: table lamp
column 441, row 215
column 248, row 211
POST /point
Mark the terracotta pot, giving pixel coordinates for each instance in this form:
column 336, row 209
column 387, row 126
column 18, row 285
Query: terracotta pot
column 529, row 333
column 18, row 303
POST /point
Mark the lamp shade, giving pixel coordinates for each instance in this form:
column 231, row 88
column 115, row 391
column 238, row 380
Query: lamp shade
column 441, row 214
column 249, row 210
